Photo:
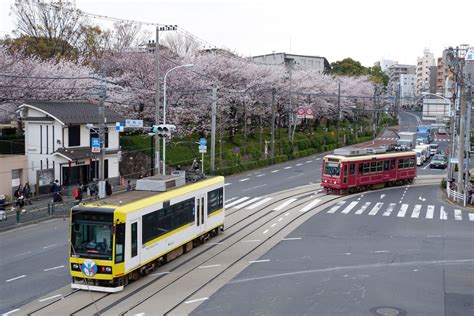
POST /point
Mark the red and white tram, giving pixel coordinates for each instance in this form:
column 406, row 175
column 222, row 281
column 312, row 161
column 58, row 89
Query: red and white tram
column 351, row 170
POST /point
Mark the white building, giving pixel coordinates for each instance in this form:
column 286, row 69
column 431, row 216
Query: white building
column 58, row 143
column 385, row 64
column 423, row 71
column 407, row 90
column 320, row 64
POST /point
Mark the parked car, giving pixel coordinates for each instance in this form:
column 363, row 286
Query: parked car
column 439, row 161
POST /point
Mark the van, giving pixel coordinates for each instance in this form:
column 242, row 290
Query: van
column 425, row 148
column 433, row 149
column 420, row 158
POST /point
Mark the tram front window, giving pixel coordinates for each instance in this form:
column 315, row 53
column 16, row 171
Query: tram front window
column 332, row 169
column 91, row 236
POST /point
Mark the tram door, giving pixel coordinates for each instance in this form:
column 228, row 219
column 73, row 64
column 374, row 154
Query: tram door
column 200, row 213
column 133, row 258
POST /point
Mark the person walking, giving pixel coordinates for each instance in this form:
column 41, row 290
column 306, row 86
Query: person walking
column 78, row 193
column 108, row 188
column 129, row 186
column 93, row 189
column 27, row 193
column 57, row 192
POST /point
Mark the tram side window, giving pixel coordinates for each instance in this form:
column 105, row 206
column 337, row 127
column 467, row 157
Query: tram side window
column 379, row 166
column 393, row 164
column 366, row 167
column 405, row 163
column 411, row 162
column 352, row 168
column 361, row 168
column 386, row 165
column 215, row 200
column 119, row 242
column 373, row 166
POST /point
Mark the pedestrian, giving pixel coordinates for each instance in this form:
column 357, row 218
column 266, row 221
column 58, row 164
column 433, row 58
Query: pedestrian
column 78, row 193
column 27, row 193
column 57, row 192
column 108, row 188
column 20, row 200
column 93, row 188
column 129, row 186
column 195, row 165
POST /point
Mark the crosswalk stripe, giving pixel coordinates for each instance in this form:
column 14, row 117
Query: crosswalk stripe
column 389, row 210
column 376, row 208
column 403, row 210
column 251, row 207
column 416, row 211
column 246, row 203
column 310, row 205
column 471, row 217
column 336, row 207
column 231, row 199
column 430, row 211
column 284, row 204
column 457, row 215
column 443, row 215
column 237, row 201
column 363, row 208
column 349, row 207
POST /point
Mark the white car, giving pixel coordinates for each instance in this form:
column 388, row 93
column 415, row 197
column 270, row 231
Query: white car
column 420, row 158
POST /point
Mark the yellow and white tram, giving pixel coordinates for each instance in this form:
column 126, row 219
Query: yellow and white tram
column 122, row 237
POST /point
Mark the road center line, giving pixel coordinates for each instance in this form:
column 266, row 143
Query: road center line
column 380, row 251
column 292, row 238
column 275, row 171
column 11, row 312
column 16, row 278
column 49, row 298
column 209, row 266
column 53, row 268
column 286, row 168
column 196, row 300
column 245, row 179
column 299, row 164
column 273, row 225
column 22, row 254
column 265, row 231
column 260, row 175
column 255, row 187
column 258, row 261
column 46, row 247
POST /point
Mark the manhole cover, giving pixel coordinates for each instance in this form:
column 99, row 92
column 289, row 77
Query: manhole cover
column 387, row 311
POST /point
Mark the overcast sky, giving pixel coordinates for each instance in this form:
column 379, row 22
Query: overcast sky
column 366, row 30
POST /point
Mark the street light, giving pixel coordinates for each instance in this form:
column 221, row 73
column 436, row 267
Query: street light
column 164, row 109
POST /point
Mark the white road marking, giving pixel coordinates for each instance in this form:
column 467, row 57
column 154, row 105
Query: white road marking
column 238, row 201
column 265, row 231
column 403, row 210
column 284, row 204
column 380, row 251
column 310, row 205
column 347, row 253
column 255, row 187
column 363, row 208
column 286, row 168
column 280, row 219
column 416, row 211
column 299, row 164
column 160, row 273
column 245, row 179
column 258, row 261
column 11, row 312
column 251, row 207
column 230, row 200
column 471, row 217
column 434, row 236
column 260, row 175
column 424, row 168
column 196, row 300
column 53, row 268
column 16, row 278
column 349, row 207
column 209, row 266
column 430, row 211
column 376, row 208
column 49, row 298
column 382, row 196
column 241, row 205
column 22, row 254
column 336, row 207
column 443, row 214
column 273, row 225
column 308, row 161
column 318, row 158
column 46, row 247
column 457, row 215
column 389, row 210
column 275, row 171
column 227, row 184
column 251, row 240
column 286, row 214
column 292, row 238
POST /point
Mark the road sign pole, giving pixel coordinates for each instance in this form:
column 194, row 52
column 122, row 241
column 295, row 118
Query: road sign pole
column 202, row 162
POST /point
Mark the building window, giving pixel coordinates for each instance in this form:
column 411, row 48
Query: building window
column 74, row 135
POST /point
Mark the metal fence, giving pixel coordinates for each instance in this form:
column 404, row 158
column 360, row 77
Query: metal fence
column 454, row 195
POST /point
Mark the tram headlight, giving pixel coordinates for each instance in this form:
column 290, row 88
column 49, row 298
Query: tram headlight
column 76, row 267
column 108, row 269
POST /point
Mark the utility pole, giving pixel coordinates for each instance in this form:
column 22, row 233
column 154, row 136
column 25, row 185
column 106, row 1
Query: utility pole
column 273, row 124
column 213, row 128
column 103, row 122
column 157, row 100
column 290, row 62
column 338, row 112
column 462, row 135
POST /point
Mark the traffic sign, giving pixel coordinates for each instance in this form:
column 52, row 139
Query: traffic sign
column 300, row 112
column 95, row 145
column 203, row 141
column 133, row 123
column 119, row 126
column 309, row 113
column 202, row 149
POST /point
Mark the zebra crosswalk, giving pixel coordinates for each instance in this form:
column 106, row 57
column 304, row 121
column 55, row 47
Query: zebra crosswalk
column 416, row 211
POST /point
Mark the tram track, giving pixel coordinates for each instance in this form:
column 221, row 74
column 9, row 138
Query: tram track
column 66, row 300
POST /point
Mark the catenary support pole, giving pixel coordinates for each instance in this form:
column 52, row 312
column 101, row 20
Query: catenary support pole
column 213, row 128
column 157, row 100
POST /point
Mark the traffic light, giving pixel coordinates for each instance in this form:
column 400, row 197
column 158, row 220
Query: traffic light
column 163, row 130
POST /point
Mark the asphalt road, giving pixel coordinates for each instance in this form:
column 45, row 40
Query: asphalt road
column 33, row 249
column 386, row 251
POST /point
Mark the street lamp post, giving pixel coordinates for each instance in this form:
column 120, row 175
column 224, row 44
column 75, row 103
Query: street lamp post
column 164, row 109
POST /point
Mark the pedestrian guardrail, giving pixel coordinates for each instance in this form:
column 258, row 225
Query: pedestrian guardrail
column 454, row 195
